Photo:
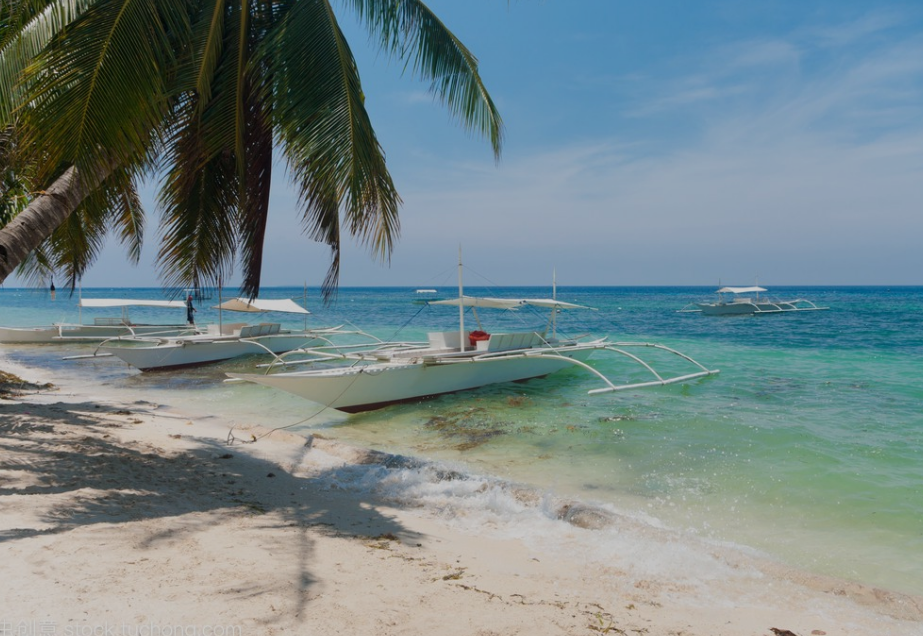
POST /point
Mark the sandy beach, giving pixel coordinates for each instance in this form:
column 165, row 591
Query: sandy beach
column 128, row 518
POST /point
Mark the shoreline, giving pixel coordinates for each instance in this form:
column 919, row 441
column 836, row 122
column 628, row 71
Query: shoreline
column 129, row 516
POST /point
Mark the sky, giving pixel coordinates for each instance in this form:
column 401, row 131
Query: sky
column 657, row 142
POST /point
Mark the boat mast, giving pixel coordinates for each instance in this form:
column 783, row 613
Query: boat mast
column 461, row 305
column 219, row 306
column 554, row 296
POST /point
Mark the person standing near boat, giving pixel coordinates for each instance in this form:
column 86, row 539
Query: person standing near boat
column 190, row 310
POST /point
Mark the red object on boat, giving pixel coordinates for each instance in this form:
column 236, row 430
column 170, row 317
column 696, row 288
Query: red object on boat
column 475, row 336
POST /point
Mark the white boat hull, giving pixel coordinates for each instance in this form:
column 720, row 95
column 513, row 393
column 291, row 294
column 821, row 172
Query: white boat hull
column 83, row 333
column 364, row 388
column 28, row 335
column 728, row 309
column 199, row 350
column 746, row 307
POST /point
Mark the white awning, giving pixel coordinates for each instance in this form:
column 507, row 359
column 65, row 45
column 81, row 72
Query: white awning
column 125, row 302
column 740, row 290
column 551, row 303
column 259, row 305
column 507, row 303
column 473, row 301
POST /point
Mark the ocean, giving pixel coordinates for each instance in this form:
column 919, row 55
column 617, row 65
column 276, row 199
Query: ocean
column 806, row 449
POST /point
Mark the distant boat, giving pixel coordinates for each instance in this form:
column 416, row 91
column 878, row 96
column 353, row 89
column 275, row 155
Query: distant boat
column 423, row 296
column 101, row 328
column 198, row 293
column 746, row 301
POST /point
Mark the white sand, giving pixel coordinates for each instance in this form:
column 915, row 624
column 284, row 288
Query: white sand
column 117, row 520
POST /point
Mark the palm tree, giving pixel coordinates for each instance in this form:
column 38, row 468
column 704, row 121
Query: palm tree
column 203, row 92
column 74, row 244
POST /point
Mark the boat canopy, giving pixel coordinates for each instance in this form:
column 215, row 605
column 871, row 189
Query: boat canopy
column 553, row 304
column 740, row 290
column 507, row 303
column 258, row 305
column 125, row 302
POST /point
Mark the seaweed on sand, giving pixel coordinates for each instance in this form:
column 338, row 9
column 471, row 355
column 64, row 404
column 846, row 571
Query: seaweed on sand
column 12, row 385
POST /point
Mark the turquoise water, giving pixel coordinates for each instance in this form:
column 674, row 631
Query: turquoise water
column 808, row 446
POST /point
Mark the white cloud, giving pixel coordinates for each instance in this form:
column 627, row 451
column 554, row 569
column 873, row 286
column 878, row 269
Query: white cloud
column 856, row 31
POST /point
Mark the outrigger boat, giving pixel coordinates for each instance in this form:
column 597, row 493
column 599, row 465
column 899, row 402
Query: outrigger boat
column 101, row 328
column 222, row 341
column 746, row 301
column 371, row 377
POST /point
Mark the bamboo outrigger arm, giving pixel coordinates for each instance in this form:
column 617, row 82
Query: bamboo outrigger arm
column 660, row 381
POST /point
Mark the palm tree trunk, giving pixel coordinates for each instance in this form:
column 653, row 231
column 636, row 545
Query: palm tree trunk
column 44, row 214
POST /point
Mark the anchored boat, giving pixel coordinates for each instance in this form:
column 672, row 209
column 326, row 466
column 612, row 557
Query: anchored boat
column 102, row 327
column 369, row 377
column 746, row 301
column 221, row 341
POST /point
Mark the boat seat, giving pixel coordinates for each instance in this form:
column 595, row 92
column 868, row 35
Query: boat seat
column 444, row 339
column 101, row 321
column 262, row 329
column 511, row 341
column 228, row 328
column 269, row 328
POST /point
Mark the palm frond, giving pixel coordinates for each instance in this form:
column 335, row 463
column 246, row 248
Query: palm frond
column 331, row 149
column 254, row 197
column 15, row 176
column 199, row 201
column 28, row 28
column 36, row 269
column 207, row 46
column 410, row 31
column 220, row 107
column 124, row 213
column 76, row 244
column 96, row 91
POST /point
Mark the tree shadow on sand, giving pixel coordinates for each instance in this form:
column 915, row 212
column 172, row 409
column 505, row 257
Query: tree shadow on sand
column 70, row 454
